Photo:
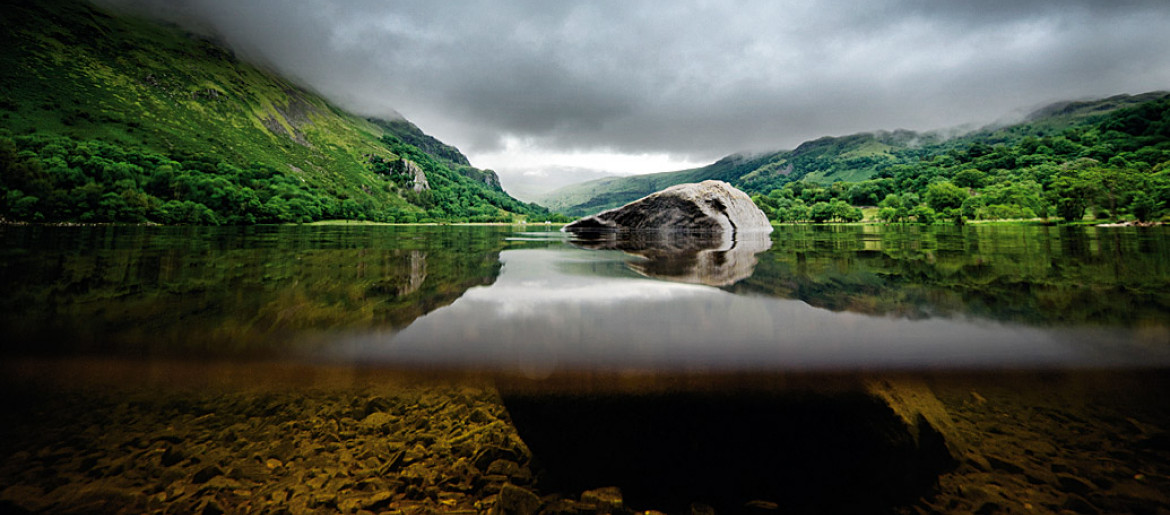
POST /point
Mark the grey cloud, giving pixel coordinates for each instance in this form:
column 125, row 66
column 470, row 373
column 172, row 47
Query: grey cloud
column 693, row 78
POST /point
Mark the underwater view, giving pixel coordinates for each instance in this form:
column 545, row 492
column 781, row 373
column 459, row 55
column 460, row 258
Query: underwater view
column 584, row 258
column 518, row 369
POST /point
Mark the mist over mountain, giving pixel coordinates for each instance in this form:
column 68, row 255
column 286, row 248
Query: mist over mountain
column 862, row 157
column 557, row 83
column 111, row 118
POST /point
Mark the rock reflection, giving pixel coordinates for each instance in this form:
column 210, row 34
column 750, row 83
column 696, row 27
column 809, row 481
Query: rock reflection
column 695, row 258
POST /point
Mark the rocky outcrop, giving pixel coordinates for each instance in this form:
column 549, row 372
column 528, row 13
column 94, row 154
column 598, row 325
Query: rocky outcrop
column 491, row 179
column 413, row 175
column 486, row 177
column 712, row 207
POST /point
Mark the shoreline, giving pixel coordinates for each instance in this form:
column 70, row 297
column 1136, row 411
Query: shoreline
column 773, row 223
column 15, row 223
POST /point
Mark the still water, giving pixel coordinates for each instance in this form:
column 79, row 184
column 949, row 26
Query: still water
column 511, row 369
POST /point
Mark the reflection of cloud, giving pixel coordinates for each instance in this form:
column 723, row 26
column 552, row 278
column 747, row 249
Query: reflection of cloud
column 565, row 308
column 532, row 285
column 537, row 299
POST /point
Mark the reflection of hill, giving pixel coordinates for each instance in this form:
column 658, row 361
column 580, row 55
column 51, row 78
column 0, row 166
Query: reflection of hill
column 714, row 260
column 1027, row 274
column 226, row 290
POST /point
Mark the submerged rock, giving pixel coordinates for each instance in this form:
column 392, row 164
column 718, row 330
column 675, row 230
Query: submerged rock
column 936, row 439
column 606, row 499
column 514, row 500
column 707, row 207
column 885, row 442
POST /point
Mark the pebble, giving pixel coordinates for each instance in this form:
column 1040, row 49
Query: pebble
column 428, row 449
column 1074, row 484
column 296, row 450
column 608, row 498
column 514, row 500
column 205, row 474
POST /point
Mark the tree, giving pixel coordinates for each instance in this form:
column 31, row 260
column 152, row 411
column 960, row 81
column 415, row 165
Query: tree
column 853, row 214
column 1112, row 184
column 942, row 196
column 799, row 211
column 821, row 212
column 840, row 209
column 1070, row 193
column 784, row 215
column 923, row 213
column 955, row 215
column 970, row 178
column 1143, row 206
column 21, row 206
column 972, row 205
column 869, row 193
column 891, row 200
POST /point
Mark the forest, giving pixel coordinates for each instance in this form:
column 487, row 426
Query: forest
column 1114, row 170
column 48, row 178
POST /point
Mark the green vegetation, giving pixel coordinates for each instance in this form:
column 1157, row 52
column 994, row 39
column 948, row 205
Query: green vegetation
column 463, row 194
column 1114, row 169
column 111, row 119
column 1034, row 274
column 149, row 291
column 1104, row 159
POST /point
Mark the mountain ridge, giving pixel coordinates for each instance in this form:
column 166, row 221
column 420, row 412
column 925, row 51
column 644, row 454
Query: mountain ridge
column 851, row 158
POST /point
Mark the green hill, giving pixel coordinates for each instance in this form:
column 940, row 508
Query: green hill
column 852, row 159
column 106, row 118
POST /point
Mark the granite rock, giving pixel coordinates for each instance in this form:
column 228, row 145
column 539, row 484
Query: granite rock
column 708, row 207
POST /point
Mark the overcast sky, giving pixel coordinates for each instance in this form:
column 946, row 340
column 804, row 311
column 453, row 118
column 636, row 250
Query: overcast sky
column 549, row 91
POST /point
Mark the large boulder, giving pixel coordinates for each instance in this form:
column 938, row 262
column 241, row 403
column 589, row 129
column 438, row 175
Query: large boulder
column 712, row 207
column 793, row 442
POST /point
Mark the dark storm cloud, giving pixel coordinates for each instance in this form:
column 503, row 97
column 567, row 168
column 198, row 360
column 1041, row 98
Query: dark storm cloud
column 694, row 78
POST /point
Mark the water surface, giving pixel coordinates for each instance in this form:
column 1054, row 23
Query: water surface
column 466, row 369
column 849, row 297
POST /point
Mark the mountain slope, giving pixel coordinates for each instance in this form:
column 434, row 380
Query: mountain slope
column 409, row 133
column 851, row 158
column 109, row 118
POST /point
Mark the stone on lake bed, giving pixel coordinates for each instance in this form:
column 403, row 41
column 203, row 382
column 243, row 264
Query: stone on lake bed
column 514, row 500
column 608, row 498
column 886, row 441
column 712, row 207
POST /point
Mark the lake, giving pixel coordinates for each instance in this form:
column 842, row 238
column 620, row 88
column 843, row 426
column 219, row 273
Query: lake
column 361, row 368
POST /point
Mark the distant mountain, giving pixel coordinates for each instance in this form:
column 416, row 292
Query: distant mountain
column 109, row 118
column 851, row 158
